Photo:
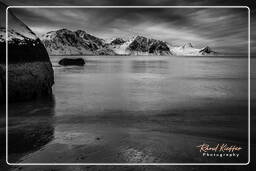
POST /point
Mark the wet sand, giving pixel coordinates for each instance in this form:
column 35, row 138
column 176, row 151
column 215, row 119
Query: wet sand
column 170, row 137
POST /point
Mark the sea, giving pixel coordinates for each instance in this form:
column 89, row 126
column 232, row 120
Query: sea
column 136, row 109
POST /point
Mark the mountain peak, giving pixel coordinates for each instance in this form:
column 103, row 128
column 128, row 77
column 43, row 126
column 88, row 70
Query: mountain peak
column 64, row 30
column 187, row 45
column 65, row 42
column 138, row 37
column 144, row 46
column 81, row 33
column 51, row 34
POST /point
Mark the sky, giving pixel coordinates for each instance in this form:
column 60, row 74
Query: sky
column 223, row 29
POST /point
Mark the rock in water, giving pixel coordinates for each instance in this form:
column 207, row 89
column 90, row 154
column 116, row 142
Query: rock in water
column 30, row 73
column 68, row 61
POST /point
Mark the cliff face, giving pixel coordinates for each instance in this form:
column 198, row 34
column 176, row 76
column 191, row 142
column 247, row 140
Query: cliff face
column 30, row 72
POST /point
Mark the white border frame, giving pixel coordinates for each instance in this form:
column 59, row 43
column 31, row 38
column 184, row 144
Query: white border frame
column 249, row 91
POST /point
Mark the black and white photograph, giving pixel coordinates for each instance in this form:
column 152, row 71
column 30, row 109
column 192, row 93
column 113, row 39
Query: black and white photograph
column 150, row 85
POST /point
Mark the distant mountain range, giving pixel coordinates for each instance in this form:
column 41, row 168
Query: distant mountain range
column 67, row 42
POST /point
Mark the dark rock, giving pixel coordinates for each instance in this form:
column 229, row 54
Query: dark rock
column 158, row 47
column 207, row 51
column 117, row 41
column 68, row 61
column 30, row 73
column 150, row 46
column 30, row 80
column 140, row 44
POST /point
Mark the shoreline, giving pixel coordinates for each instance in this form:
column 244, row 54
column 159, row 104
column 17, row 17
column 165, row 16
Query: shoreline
column 110, row 132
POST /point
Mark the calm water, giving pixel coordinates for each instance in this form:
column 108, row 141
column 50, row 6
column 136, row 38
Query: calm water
column 195, row 93
column 147, row 83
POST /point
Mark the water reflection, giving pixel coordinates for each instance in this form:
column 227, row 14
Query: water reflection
column 151, row 66
column 30, row 126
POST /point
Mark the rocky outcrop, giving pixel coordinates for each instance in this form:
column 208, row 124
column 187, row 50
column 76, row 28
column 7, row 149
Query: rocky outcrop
column 158, row 47
column 117, row 41
column 148, row 46
column 66, row 42
column 68, row 61
column 30, row 73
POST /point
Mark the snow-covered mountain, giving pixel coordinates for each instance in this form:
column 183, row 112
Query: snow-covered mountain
column 120, row 46
column 66, row 42
column 140, row 45
column 188, row 50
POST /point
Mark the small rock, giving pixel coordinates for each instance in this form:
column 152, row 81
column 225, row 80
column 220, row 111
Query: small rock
column 68, row 61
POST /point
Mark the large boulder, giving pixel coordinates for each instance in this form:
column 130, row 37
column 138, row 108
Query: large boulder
column 30, row 73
